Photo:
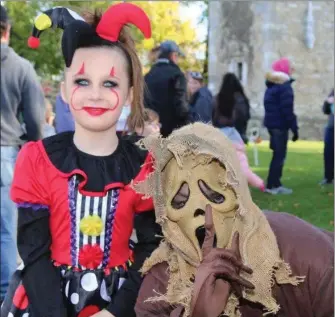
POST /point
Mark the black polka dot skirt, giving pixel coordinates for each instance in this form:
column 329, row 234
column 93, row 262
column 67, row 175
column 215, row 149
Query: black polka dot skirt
column 85, row 292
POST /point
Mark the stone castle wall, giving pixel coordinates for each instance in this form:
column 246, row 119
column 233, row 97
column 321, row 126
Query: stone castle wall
column 245, row 37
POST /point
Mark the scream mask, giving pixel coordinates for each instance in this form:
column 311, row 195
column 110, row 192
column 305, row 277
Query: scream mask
column 200, row 180
column 195, row 166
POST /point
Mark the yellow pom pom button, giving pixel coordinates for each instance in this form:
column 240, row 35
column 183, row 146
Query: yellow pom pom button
column 43, row 22
column 91, row 225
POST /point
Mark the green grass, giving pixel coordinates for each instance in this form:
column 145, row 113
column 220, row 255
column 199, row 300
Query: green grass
column 302, row 172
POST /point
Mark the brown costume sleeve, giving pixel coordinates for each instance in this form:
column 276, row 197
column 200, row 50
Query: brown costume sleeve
column 153, row 285
column 323, row 302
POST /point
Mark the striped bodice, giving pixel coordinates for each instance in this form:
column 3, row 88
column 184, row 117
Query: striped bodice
column 91, row 227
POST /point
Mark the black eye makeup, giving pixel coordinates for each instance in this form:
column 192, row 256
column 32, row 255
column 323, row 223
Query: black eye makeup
column 182, row 196
column 210, row 194
column 85, row 82
column 81, row 82
column 110, row 84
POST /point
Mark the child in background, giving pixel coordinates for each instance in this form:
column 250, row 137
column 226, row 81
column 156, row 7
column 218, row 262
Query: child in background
column 48, row 127
column 151, row 124
column 223, row 118
column 233, row 135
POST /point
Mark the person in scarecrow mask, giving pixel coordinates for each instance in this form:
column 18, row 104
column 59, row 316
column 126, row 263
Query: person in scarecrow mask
column 75, row 202
column 221, row 254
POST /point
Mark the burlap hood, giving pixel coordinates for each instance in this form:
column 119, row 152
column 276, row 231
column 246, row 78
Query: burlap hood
column 258, row 245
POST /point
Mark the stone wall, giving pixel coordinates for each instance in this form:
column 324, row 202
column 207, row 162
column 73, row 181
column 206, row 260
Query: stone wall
column 245, row 37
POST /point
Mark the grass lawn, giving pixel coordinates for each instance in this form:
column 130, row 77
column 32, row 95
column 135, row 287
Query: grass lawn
column 303, row 170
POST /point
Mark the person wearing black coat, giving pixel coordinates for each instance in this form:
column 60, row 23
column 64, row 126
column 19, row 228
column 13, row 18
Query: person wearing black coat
column 166, row 89
column 328, row 153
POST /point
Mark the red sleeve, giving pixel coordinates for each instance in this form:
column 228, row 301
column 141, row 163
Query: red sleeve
column 29, row 183
column 143, row 203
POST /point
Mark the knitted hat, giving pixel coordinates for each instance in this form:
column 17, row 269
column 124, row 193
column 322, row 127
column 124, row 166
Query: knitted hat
column 282, row 65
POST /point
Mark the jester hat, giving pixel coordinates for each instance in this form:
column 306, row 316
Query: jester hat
column 78, row 33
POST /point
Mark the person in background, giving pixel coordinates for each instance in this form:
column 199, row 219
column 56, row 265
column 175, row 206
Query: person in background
column 64, row 119
column 328, row 153
column 223, row 119
column 48, row 127
column 166, row 89
column 232, row 96
column 151, row 124
column 153, row 55
column 22, row 101
column 200, row 98
column 121, row 126
column 279, row 119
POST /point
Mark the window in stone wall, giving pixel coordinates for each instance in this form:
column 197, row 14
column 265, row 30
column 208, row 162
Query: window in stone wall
column 240, row 71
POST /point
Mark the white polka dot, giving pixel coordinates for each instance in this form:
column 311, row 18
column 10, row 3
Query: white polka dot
column 103, row 292
column 10, row 315
column 21, row 266
column 121, row 281
column 74, row 298
column 89, row 282
column 25, row 315
column 67, row 288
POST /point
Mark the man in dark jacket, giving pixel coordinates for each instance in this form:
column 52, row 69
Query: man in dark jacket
column 21, row 97
column 166, row 89
column 201, row 99
column 279, row 119
column 328, row 153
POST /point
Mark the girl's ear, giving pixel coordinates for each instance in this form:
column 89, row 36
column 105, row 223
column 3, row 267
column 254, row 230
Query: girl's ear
column 130, row 96
column 63, row 91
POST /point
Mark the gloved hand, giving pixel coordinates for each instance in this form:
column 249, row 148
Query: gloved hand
column 295, row 136
column 217, row 275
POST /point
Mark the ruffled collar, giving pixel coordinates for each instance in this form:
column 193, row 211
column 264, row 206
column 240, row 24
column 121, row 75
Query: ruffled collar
column 96, row 173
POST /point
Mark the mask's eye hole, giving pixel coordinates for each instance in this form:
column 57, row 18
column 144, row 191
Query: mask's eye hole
column 211, row 194
column 181, row 197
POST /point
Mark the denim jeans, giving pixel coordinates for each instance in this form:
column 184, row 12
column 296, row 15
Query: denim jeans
column 328, row 154
column 8, row 254
column 278, row 145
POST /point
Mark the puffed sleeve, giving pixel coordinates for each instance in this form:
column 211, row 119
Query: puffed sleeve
column 29, row 182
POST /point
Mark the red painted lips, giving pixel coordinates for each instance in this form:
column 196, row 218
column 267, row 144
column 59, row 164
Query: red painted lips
column 95, row 112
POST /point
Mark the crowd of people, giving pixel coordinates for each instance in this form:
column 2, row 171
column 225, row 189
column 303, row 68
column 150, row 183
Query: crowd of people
column 167, row 163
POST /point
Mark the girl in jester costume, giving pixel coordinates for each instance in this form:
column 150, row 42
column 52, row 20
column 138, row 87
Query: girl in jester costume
column 73, row 191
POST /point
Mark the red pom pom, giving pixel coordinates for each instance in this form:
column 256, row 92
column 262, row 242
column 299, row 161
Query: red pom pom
column 90, row 256
column 33, row 42
column 20, row 299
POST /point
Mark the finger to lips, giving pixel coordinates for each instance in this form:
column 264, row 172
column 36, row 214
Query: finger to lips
column 207, row 245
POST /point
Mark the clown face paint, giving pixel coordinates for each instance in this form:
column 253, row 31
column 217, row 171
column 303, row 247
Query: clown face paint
column 189, row 188
column 97, row 87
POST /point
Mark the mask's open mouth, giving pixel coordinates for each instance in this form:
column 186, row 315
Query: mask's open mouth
column 200, row 233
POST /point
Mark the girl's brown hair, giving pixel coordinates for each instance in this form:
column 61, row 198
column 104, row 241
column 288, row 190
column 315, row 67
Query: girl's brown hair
column 126, row 45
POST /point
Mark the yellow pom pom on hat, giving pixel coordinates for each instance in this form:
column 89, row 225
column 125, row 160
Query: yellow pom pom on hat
column 43, row 22
column 91, row 225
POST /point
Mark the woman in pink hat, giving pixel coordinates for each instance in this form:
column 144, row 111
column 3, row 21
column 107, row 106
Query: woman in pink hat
column 279, row 119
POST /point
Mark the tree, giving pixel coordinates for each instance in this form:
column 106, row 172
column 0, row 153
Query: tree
column 164, row 16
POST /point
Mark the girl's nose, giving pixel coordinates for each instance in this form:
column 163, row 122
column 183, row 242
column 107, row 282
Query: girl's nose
column 95, row 92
